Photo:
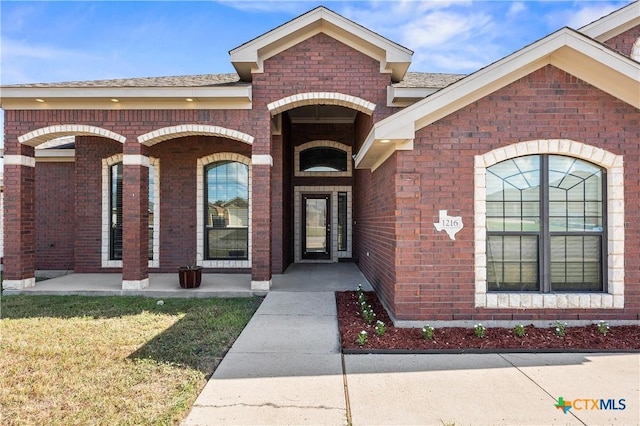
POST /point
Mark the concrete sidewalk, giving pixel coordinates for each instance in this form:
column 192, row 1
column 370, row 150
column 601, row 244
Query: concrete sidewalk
column 286, row 368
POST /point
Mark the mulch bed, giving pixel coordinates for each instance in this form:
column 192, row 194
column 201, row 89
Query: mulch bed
column 458, row 340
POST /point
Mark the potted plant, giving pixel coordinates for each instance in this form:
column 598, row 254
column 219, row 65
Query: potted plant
column 190, row 276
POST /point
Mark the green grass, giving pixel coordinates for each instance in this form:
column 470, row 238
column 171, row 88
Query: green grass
column 72, row 360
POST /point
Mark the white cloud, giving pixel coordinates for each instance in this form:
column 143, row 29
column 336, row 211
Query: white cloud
column 292, row 7
column 581, row 14
column 590, row 13
column 12, row 49
column 516, row 8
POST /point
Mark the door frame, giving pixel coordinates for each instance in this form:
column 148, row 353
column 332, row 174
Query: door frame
column 334, row 190
column 327, row 228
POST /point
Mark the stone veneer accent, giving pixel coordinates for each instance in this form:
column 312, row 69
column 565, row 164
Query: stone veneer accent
column 45, row 134
column 324, row 98
column 613, row 164
column 182, row 130
column 201, row 163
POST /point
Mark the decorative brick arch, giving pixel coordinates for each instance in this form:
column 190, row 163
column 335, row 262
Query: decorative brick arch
column 635, row 50
column 45, row 134
column 613, row 164
column 321, row 98
column 173, row 132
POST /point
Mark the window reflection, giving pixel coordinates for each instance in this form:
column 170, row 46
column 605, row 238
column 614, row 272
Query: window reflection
column 227, row 211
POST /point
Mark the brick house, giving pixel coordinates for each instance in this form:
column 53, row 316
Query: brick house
column 507, row 194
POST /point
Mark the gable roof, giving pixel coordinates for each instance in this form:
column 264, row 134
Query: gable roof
column 566, row 49
column 614, row 23
column 249, row 57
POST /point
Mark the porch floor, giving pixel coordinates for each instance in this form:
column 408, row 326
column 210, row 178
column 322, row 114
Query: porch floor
column 297, row 277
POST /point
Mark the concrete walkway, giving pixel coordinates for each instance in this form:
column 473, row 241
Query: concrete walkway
column 286, row 368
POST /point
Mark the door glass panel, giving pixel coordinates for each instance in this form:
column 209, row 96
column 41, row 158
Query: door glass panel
column 342, row 221
column 316, row 225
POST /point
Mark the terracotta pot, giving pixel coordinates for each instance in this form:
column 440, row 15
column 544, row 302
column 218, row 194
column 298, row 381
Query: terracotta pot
column 190, row 277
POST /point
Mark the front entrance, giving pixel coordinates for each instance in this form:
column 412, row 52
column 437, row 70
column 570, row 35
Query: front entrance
column 322, row 223
column 316, row 226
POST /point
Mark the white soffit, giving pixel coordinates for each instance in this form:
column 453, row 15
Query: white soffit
column 613, row 24
column 565, row 49
column 249, row 58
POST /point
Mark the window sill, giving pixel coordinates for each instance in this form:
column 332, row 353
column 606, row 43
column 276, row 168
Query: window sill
column 549, row 301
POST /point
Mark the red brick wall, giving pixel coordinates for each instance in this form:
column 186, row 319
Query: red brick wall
column 375, row 227
column 55, row 213
column 623, row 43
column 318, row 64
column 178, row 192
column 322, row 64
column 90, row 151
column 434, row 275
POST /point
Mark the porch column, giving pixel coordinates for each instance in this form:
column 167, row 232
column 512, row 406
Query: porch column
column 19, row 216
column 135, row 219
column 261, row 222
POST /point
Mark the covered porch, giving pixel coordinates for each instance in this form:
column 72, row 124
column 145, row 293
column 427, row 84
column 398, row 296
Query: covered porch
column 298, row 277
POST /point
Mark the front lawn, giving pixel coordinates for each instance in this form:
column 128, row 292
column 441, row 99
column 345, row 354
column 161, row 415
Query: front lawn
column 72, row 360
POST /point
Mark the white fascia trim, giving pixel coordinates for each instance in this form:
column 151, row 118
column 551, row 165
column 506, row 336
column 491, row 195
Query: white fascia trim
column 262, row 160
column 404, row 96
column 613, row 24
column 559, row 49
column 19, row 160
column 226, row 97
column 249, row 57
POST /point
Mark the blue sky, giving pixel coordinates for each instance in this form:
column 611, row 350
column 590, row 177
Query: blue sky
column 73, row 40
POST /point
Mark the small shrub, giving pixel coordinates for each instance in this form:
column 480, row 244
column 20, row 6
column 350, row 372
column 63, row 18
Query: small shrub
column 368, row 314
column 561, row 328
column 479, row 330
column 427, row 332
column 519, row 331
column 362, row 338
column 380, row 328
column 603, row 327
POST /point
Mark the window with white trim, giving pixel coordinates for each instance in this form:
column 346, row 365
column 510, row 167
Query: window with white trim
column 226, row 233
column 546, row 222
column 323, row 158
column 113, row 191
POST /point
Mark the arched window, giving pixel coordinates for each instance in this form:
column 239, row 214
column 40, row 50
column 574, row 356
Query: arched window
column 323, row 158
column 545, row 219
column 226, row 211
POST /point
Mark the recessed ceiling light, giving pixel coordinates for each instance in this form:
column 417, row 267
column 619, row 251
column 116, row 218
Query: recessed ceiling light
column 115, row 100
column 39, row 100
column 189, row 100
column 385, row 140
